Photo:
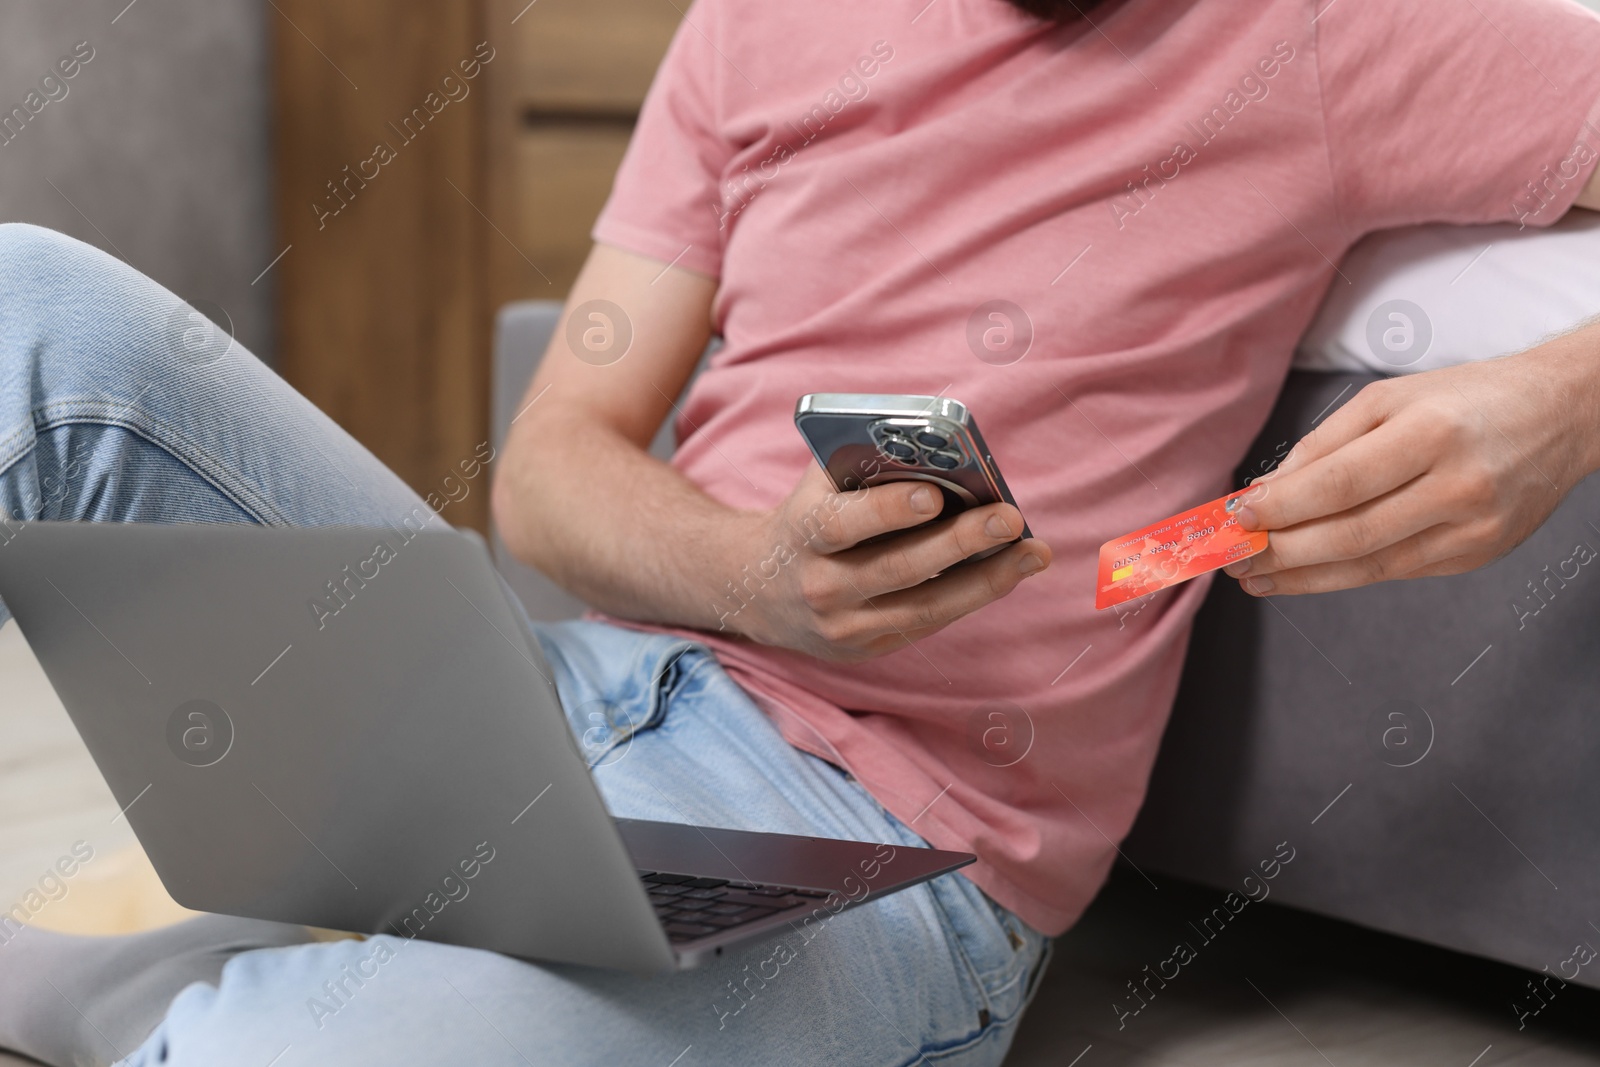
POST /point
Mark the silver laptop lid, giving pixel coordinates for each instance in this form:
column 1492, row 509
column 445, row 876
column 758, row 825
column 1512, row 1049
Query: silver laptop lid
column 343, row 727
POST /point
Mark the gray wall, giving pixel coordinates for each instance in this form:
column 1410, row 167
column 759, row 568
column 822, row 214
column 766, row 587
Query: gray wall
column 161, row 142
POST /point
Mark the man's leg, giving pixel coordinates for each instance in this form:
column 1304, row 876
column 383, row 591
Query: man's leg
column 934, row 974
column 120, row 404
column 106, row 413
column 69, row 1001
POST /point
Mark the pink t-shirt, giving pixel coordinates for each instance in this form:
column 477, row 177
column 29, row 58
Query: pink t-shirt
column 1161, row 201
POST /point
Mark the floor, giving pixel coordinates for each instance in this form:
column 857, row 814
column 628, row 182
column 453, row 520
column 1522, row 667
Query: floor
column 1292, row 990
column 1282, row 988
column 51, row 796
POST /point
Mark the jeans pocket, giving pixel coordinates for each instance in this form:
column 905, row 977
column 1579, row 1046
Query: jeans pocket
column 1002, row 956
column 619, row 706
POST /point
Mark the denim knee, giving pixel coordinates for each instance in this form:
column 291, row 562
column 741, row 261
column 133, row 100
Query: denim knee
column 81, row 319
column 31, row 257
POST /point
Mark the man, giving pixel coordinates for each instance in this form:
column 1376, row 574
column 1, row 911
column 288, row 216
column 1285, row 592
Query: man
column 1151, row 197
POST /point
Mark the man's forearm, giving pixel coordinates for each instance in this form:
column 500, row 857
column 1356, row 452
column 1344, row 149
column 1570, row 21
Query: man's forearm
column 1573, row 361
column 615, row 526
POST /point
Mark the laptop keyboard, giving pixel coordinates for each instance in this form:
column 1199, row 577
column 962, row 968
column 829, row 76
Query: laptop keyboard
column 691, row 907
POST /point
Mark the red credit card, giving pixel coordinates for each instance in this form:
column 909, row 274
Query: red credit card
column 1174, row 550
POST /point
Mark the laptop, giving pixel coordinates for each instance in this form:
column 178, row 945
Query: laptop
column 347, row 728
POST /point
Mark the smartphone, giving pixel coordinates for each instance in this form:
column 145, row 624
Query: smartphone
column 864, row 439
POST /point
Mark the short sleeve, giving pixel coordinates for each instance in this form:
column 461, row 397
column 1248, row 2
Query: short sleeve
column 665, row 201
column 1460, row 111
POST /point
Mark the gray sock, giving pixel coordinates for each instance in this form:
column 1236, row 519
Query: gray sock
column 72, row 1001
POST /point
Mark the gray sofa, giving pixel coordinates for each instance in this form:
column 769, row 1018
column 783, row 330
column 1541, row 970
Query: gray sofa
column 1425, row 747
column 1450, row 722
column 159, row 152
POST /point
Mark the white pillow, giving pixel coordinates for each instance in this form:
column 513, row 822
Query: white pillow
column 1432, row 296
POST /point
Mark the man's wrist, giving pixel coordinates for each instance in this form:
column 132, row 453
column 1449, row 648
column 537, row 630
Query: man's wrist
column 1572, row 365
column 736, row 571
column 1586, row 423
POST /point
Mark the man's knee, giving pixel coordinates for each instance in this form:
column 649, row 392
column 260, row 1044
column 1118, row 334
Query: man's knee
column 31, row 254
column 90, row 302
column 47, row 279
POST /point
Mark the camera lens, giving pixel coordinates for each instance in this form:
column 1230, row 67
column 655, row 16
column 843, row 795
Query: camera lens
column 931, row 439
column 945, row 460
column 899, row 449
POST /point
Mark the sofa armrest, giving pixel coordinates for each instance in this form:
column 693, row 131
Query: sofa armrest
column 1448, row 722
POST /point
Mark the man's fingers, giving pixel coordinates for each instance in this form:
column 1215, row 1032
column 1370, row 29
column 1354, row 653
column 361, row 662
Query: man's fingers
column 942, row 600
column 1363, row 470
column 1432, row 551
column 1361, row 415
column 829, row 521
column 1347, row 535
column 912, row 558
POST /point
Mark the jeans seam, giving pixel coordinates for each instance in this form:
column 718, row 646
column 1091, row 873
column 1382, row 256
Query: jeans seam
column 989, row 997
column 681, row 679
column 666, row 680
column 1047, row 952
column 22, row 440
column 953, row 936
column 997, row 1024
column 61, row 413
column 930, row 1053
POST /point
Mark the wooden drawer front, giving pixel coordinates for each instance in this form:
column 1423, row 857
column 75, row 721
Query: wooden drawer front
column 586, row 55
column 560, row 176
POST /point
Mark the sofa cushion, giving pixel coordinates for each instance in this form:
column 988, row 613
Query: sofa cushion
column 1432, row 296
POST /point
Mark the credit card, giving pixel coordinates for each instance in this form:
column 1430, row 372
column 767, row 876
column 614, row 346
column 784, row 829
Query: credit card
column 1174, row 550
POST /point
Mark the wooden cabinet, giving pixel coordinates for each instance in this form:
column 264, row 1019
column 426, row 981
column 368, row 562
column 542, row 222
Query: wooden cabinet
column 381, row 314
column 562, row 108
column 586, row 56
column 549, row 187
column 387, row 292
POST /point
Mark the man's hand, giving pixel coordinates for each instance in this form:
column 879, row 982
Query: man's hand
column 812, row 585
column 578, row 497
column 1431, row 474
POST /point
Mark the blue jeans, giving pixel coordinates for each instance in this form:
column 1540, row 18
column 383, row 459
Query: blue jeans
column 115, row 406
